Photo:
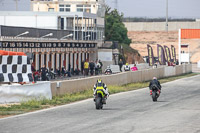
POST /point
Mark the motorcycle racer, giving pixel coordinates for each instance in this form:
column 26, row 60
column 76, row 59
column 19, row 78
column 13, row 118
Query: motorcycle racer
column 156, row 83
column 100, row 85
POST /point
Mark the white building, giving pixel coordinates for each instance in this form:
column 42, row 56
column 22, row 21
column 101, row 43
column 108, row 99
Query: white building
column 73, row 29
column 80, row 23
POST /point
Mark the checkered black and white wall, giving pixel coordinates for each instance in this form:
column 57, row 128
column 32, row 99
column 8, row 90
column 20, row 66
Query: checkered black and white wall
column 15, row 69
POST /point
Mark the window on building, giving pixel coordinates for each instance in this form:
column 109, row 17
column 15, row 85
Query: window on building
column 79, row 8
column 64, row 8
column 51, row 9
column 83, row 8
column 87, row 8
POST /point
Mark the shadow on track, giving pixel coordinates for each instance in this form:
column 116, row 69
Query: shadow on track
column 162, row 101
column 111, row 109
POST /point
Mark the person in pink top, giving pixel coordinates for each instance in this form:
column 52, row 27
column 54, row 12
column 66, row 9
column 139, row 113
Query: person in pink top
column 134, row 68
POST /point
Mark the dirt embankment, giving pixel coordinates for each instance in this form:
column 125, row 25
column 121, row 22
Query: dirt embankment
column 141, row 39
column 133, row 58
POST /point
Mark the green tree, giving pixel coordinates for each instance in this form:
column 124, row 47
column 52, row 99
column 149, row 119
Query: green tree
column 115, row 30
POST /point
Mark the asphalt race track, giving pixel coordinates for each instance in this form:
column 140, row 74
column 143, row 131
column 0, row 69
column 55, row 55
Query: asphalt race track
column 177, row 111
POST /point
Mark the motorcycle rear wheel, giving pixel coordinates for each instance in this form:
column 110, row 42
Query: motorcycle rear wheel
column 98, row 103
column 154, row 97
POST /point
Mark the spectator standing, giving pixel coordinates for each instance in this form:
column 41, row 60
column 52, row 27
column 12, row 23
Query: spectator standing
column 91, row 66
column 44, row 72
column 120, row 65
column 69, row 67
column 101, row 65
column 33, row 71
column 97, row 67
column 82, row 67
column 86, row 68
column 63, row 71
column 177, row 63
column 52, row 74
column 33, row 67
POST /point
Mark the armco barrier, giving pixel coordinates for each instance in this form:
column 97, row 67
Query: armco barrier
column 76, row 85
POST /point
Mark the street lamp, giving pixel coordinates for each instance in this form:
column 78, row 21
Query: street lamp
column 27, row 32
column 50, row 34
column 87, row 36
column 70, row 35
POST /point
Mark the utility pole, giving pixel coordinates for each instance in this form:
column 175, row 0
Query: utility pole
column 166, row 28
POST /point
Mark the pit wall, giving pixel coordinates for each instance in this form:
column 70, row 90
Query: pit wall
column 77, row 85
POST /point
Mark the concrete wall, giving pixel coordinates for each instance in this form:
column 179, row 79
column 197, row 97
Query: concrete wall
column 76, row 85
column 160, row 26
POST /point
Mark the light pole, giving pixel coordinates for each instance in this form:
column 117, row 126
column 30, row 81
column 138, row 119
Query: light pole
column 70, row 35
column 87, row 36
column 166, row 28
column 50, row 34
column 27, row 32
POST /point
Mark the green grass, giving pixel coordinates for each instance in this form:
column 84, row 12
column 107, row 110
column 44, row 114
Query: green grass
column 43, row 103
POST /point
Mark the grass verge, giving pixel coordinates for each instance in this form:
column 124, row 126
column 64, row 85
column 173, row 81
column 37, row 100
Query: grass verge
column 34, row 104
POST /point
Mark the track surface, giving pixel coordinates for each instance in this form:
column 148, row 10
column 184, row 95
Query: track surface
column 177, row 111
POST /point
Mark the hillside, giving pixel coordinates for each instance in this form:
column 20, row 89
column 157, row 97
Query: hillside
column 141, row 39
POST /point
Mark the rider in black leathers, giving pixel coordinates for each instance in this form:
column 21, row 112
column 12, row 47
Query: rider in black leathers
column 155, row 82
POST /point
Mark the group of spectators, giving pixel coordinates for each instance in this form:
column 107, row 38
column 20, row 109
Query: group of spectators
column 91, row 67
column 40, row 74
column 127, row 67
column 87, row 68
column 44, row 74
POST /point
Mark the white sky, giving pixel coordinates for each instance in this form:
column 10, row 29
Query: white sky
column 10, row 5
column 157, row 8
column 133, row 8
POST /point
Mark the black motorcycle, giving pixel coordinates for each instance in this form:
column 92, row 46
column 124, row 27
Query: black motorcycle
column 155, row 93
